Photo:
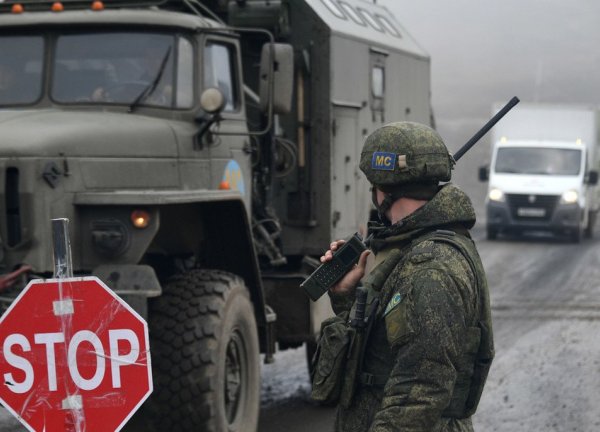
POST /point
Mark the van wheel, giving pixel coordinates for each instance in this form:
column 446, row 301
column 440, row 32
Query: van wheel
column 589, row 229
column 491, row 233
column 576, row 235
column 205, row 355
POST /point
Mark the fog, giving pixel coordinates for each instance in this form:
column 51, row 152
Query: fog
column 483, row 52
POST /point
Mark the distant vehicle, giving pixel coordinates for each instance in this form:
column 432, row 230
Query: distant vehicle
column 203, row 169
column 544, row 171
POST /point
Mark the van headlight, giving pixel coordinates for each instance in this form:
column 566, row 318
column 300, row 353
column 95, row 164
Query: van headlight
column 496, row 194
column 569, row 197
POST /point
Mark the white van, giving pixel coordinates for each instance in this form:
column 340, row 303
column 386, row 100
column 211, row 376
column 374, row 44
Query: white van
column 544, row 171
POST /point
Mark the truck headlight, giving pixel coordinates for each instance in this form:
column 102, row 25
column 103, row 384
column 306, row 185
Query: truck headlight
column 496, row 195
column 110, row 237
column 569, row 197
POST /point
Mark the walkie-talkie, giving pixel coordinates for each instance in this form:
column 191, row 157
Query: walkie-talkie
column 328, row 273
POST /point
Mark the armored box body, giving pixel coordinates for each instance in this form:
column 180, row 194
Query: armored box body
column 356, row 69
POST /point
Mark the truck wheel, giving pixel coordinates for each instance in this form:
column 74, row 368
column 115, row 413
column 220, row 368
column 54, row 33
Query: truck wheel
column 491, row 233
column 205, row 355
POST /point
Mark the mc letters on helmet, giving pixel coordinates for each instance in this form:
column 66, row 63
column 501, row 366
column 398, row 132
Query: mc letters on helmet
column 383, row 161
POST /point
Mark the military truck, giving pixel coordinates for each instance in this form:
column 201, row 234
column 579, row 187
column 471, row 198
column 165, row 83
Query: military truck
column 205, row 154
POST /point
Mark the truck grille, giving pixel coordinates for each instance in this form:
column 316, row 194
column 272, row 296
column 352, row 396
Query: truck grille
column 531, row 207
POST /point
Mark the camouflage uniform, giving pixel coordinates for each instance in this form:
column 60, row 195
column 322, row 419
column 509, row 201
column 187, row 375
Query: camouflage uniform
column 421, row 349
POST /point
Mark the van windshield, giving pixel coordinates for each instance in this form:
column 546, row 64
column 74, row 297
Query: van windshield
column 540, row 161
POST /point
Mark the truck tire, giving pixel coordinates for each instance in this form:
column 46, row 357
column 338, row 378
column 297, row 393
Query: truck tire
column 491, row 233
column 205, row 355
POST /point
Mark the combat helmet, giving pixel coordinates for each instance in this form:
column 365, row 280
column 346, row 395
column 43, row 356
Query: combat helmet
column 405, row 159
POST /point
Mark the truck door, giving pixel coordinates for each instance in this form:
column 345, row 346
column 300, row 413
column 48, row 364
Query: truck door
column 350, row 191
column 220, row 155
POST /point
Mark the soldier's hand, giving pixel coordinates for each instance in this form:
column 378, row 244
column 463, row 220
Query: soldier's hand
column 348, row 283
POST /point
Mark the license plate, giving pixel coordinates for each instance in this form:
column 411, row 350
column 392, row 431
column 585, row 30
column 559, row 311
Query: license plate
column 531, row 212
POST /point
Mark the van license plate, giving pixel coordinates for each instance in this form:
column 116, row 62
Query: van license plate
column 531, row 212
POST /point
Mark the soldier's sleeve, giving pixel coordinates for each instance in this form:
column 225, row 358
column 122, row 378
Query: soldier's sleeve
column 426, row 330
column 341, row 302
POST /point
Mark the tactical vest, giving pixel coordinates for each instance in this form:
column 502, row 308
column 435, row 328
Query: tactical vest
column 337, row 361
column 479, row 351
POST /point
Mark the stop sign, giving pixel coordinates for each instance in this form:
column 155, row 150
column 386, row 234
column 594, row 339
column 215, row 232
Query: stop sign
column 74, row 356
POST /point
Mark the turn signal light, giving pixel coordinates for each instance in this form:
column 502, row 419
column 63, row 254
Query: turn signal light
column 17, row 8
column 57, row 7
column 97, row 6
column 224, row 185
column 140, row 218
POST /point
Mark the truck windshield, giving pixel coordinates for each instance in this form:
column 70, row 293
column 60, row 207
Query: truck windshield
column 541, row 161
column 21, row 60
column 117, row 68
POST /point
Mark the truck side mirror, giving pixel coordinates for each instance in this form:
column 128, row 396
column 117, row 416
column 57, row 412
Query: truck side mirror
column 484, row 174
column 592, row 178
column 276, row 77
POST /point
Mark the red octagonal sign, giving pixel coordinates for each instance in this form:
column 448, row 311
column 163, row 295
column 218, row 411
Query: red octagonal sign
column 75, row 357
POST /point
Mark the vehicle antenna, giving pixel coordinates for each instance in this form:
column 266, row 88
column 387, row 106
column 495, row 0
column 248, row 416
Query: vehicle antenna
column 486, row 127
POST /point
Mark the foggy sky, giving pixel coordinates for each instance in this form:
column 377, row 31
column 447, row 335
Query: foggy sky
column 488, row 51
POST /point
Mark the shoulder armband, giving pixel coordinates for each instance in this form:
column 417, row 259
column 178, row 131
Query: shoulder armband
column 397, row 323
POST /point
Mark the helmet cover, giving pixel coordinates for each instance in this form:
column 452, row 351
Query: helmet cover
column 405, row 153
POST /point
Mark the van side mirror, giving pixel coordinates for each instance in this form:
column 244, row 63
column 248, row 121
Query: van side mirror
column 592, row 178
column 276, row 77
column 484, row 173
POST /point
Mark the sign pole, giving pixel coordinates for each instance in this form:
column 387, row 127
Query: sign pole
column 63, row 269
column 63, row 264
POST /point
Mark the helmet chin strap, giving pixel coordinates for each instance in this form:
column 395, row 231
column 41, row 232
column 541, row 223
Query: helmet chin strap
column 385, row 205
column 416, row 191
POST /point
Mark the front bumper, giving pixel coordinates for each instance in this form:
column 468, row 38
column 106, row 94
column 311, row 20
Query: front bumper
column 560, row 219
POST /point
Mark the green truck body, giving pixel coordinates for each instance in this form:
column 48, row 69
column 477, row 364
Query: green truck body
column 202, row 222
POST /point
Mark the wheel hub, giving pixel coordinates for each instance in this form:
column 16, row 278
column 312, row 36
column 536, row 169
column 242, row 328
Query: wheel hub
column 233, row 376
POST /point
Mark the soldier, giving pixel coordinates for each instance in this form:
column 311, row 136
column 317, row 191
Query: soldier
column 426, row 351
column 149, row 64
